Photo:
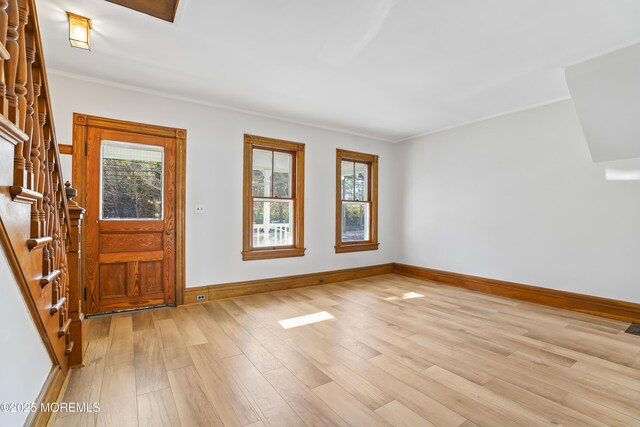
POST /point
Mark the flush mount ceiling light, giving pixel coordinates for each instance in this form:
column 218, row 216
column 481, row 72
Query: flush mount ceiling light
column 79, row 29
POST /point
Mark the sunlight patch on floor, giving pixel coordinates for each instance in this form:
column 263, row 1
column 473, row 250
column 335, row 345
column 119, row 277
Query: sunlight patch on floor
column 408, row 295
column 294, row 322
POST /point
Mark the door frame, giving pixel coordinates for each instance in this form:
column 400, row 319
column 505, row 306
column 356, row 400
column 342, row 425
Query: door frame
column 81, row 123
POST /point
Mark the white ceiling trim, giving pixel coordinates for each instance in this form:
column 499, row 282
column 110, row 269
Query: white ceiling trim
column 492, row 116
column 53, row 71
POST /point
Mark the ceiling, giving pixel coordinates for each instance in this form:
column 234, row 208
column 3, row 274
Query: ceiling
column 389, row 69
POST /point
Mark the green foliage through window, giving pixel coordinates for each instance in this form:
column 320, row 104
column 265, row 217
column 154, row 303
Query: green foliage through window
column 131, row 189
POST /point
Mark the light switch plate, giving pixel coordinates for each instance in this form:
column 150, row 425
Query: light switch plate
column 199, row 209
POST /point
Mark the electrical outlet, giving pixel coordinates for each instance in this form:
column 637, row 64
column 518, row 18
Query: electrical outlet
column 201, row 297
column 200, row 209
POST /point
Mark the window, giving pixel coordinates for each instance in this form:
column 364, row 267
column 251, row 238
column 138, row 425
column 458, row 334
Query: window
column 131, row 186
column 356, row 202
column 273, row 198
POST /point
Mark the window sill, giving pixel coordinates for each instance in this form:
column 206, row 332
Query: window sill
column 272, row 253
column 356, row 247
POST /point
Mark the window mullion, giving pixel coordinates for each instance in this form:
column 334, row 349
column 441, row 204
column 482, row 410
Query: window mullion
column 354, row 180
column 273, row 171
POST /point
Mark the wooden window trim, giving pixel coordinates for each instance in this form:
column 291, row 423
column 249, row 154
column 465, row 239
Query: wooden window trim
column 372, row 160
column 249, row 253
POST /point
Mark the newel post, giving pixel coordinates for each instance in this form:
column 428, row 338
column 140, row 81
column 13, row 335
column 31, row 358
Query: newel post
column 76, row 285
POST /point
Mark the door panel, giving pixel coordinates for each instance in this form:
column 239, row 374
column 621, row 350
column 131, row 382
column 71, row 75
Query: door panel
column 150, row 277
column 130, row 226
column 128, row 242
column 113, row 280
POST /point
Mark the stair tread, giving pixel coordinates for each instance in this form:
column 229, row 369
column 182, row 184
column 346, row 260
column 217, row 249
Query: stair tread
column 55, row 308
column 45, row 280
column 38, row 242
column 24, row 195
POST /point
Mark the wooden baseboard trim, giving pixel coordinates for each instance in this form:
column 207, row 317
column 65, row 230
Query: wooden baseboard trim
column 238, row 289
column 51, row 392
column 613, row 309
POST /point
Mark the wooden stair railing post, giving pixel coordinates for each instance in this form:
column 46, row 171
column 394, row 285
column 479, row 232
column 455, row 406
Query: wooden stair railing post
column 21, row 71
column 10, row 72
column 39, row 151
column 76, row 284
column 30, row 57
column 64, row 237
column 47, row 194
column 32, row 130
column 21, row 90
column 11, row 65
column 4, row 55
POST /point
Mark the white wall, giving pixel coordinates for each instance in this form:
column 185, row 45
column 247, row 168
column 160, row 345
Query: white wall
column 24, row 362
column 518, row 198
column 214, row 179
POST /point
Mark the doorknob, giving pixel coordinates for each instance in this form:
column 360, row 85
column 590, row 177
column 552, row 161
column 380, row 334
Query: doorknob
column 168, row 232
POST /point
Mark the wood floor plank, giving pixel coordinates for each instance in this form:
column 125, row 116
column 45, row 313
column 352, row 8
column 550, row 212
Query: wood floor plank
column 174, row 349
column 462, row 404
column 151, row 373
column 608, row 349
column 295, row 362
column 411, row 360
column 239, row 314
column 265, row 400
column 608, row 393
column 142, row 320
column 542, row 357
column 118, row 404
column 507, row 407
column 224, row 393
column 118, row 391
column 190, row 332
column 218, row 340
column 121, row 341
column 98, row 327
column 311, row 409
column 399, row 415
column 598, row 411
column 558, row 413
column 192, row 404
column 158, row 409
column 416, row 401
column 368, row 394
column 252, row 349
column 347, row 406
column 85, row 384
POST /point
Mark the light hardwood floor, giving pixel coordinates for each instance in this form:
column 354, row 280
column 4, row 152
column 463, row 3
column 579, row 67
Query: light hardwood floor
column 447, row 357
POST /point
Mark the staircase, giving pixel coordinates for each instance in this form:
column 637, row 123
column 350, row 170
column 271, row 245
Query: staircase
column 39, row 227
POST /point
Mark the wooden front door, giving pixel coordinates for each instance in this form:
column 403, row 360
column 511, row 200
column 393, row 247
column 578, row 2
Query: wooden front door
column 130, row 242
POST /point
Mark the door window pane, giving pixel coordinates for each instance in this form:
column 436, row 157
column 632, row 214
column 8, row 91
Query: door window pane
column 361, row 181
column 355, row 222
column 272, row 223
column 347, row 180
column 132, row 177
column 262, row 173
column 281, row 175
